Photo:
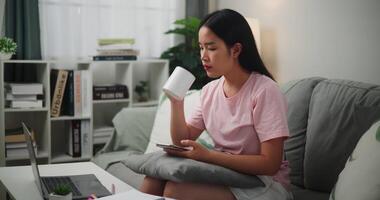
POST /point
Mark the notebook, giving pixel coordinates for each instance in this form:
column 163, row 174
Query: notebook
column 82, row 186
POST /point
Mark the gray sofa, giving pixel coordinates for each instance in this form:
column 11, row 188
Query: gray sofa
column 326, row 119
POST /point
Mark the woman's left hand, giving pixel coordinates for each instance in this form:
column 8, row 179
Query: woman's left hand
column 198, row 152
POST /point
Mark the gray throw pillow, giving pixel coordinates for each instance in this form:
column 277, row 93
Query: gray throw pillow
column 162, row 166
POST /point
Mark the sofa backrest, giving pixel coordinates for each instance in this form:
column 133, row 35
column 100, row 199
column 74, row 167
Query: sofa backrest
column 326, row 119
column 298, row 94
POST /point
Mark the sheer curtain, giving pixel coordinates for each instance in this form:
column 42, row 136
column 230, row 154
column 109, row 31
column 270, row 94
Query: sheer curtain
column 70, row 28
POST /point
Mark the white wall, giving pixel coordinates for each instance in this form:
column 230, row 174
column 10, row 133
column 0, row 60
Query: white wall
column 328, row 38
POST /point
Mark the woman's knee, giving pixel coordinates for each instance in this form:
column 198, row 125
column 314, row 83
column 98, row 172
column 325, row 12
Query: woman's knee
column 152, row 185
column 172, row 190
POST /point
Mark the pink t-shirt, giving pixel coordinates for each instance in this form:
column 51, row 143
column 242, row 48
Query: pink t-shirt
column 238, row 124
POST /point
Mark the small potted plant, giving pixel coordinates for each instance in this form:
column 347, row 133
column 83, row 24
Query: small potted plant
column 7, row 48
column 61, row 192
column 142, row 91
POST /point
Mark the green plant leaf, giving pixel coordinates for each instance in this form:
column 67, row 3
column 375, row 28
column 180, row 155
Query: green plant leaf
column 186, row 54
column 62, row 189
column 179, row 31
column 7, row 45
column 191, row 22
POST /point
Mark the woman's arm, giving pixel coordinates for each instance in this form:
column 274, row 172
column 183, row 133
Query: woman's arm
column 179, row 130
column 267, row 162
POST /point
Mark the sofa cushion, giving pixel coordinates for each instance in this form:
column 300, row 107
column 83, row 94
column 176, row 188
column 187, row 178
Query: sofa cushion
column 360, row 178
column 305, row 194
column 135, row 134
column 163, row 166
column 340, row 112
column 298, row 94
column 125, row 174
column 161, row 127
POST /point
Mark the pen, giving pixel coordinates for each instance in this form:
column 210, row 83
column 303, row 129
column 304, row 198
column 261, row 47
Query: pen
column 113, row 189
column 91, row 197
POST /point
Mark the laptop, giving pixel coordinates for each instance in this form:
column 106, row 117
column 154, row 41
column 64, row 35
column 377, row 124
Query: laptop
column 82, row 186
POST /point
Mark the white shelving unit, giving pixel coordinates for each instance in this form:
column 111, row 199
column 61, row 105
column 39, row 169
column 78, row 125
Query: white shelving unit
column 51, row 132
column 129, row 73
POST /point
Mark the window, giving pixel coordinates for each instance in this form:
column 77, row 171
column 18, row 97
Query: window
column 70, row 28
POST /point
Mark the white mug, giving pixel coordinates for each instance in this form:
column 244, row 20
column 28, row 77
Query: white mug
column 178, row 83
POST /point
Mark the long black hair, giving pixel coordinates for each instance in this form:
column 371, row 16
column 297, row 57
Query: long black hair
column 232, row 28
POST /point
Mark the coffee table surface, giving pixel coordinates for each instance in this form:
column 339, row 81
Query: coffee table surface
column 19, row 180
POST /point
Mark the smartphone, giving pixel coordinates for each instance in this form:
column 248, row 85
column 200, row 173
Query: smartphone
column 173, row 147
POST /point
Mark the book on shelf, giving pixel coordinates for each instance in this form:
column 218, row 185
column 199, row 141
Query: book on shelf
column 15, row 145
column 24, row 88
column 110, row 88
column 86, row 82
column 117, row 47
column 23, row 97
column 77, row 93
column 18, row 150
column 118, row 52
column 114, row 57
column 106, row 92
column 74, row 140
column 67, row 107
column 53, row 79
column 58, row 80
column 113, row 41
column 85, row 138
column 102, row 134
column 15, row 135
column 103, row 131
column 25, row 104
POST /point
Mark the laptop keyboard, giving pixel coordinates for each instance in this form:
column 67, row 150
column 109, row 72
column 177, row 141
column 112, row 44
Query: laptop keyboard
column 52, row 182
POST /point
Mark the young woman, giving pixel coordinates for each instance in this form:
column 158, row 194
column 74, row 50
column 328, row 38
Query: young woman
column 243, row 111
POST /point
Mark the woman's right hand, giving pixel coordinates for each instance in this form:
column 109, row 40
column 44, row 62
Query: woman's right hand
column 196, row 151
column 179, row 130
column 178, row 126
column 174, row 101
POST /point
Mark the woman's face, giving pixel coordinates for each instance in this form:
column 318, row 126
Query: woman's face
column 216, row 58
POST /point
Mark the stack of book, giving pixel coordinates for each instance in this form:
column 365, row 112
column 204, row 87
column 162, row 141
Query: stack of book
column 102, row 134
column 116, row 49
column 69, row 90
column 24, row 95
column 15, row 143
column 106, row 92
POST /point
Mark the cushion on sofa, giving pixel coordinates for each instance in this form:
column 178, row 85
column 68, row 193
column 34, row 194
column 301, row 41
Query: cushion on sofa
column 340, row 112
column 125, row 174
column 160, row 165
column 161, row 126
column 300, row 193
column 132, row 129
column 139, row 120
column 298, row 94
column 360, row 178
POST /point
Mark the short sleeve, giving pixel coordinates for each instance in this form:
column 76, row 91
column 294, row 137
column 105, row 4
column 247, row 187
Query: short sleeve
column 270, row 114
column 196, row 117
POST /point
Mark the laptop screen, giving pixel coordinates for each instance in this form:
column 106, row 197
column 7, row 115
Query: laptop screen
column 32, row 155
